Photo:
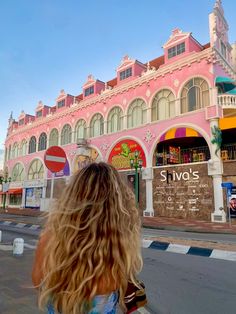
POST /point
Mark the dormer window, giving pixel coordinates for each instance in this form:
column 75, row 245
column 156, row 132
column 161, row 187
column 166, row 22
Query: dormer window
column 61, row 103
column 39, row 113
column 89, row 91
column 21, row 121
column 176, row 50
column 125, row 74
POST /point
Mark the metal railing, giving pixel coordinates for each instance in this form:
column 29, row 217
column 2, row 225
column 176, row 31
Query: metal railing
column 195, row 154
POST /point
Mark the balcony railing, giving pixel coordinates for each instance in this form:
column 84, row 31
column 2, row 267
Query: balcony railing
column 194, row 154
column 227, row 101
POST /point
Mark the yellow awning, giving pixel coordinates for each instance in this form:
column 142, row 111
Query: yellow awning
column 227, row 123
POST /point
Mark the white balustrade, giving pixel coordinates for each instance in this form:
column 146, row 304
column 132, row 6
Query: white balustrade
column 227, row 101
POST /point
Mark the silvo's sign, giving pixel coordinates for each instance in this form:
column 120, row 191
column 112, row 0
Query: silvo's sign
column 123, row 151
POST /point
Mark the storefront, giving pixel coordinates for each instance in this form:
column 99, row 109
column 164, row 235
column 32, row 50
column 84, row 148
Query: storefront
column 33, row 192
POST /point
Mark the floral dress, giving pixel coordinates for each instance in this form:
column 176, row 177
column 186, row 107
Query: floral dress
column 101, row 304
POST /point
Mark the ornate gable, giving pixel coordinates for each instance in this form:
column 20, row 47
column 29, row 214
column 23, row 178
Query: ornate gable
column 176, row 36
column 125, row 63
column 61, row 95
column 22, row 115
column 90, row 80
column 39, row 106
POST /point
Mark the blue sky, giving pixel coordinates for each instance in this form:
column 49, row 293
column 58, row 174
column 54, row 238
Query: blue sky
column 49, row 45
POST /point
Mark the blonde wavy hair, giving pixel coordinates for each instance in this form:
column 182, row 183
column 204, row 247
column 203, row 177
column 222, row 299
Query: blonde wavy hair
column 93, row 235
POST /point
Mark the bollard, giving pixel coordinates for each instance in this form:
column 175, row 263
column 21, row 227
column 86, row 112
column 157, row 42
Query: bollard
column 18, row 246
column 0, row 236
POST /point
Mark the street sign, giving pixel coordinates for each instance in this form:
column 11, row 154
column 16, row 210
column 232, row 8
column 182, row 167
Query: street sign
column 227, row 185
column 55, row 158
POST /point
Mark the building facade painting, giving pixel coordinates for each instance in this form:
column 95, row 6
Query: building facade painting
column 174, row 110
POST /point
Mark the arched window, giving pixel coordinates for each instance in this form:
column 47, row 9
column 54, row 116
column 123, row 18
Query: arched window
column 36, row 170
column 42, row 145
column 14, row 152
column 18, row 173
column 80, row 129
column 53, row 138
column 163, row 105
column 23, row 149
column 66, row 134
column 5, row 155
column 137, row 113
column 9, row 153
column 96, row 125
column 195, row 95
column 32, row 145
column 114, row 121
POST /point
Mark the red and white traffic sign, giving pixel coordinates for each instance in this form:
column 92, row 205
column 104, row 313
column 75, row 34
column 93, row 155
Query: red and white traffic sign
column 55, row 158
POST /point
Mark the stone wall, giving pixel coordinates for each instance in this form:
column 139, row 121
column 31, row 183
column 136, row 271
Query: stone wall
column 183, row 191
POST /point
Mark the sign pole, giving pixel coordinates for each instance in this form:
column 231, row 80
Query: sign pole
column 52, row 185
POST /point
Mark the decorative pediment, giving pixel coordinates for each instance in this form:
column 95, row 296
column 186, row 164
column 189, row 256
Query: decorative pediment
column 176, row 36
column 61, row 95
column 90, row 80
column 22, row 115
column 39, row 106
column 125, row 62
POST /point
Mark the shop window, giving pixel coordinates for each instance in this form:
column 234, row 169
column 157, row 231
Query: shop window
column 66, row 134
column 137, row 113
column 53, row 138
column 114, row 122
column 15, row 199
column 96, row 125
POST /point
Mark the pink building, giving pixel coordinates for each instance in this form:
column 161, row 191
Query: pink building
column 178, row 111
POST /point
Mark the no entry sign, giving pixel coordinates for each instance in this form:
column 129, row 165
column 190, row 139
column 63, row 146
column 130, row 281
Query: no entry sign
column 55, row 158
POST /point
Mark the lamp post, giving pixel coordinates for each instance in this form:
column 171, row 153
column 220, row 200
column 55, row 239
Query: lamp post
column 136, row 163
column 5, row 186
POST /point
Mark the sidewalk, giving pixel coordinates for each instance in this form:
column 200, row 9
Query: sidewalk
column 35, row 217
column 188, row 225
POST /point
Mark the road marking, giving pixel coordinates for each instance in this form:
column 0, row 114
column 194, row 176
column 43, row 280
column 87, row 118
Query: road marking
column 5, row 247
column 20, row 225
column 226, row 255
column 29, row 246
column 177, row 248
column 34, row 227
column 142, row 310
column 146, row 243
column 7, row 222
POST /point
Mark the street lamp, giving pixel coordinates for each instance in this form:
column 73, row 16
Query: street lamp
column 5, row 187
column 136, row 163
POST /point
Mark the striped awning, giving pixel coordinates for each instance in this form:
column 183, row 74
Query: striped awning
column 178, row 133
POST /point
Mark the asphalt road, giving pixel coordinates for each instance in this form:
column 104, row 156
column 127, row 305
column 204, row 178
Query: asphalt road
column 183, row 284
column 175, row 283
